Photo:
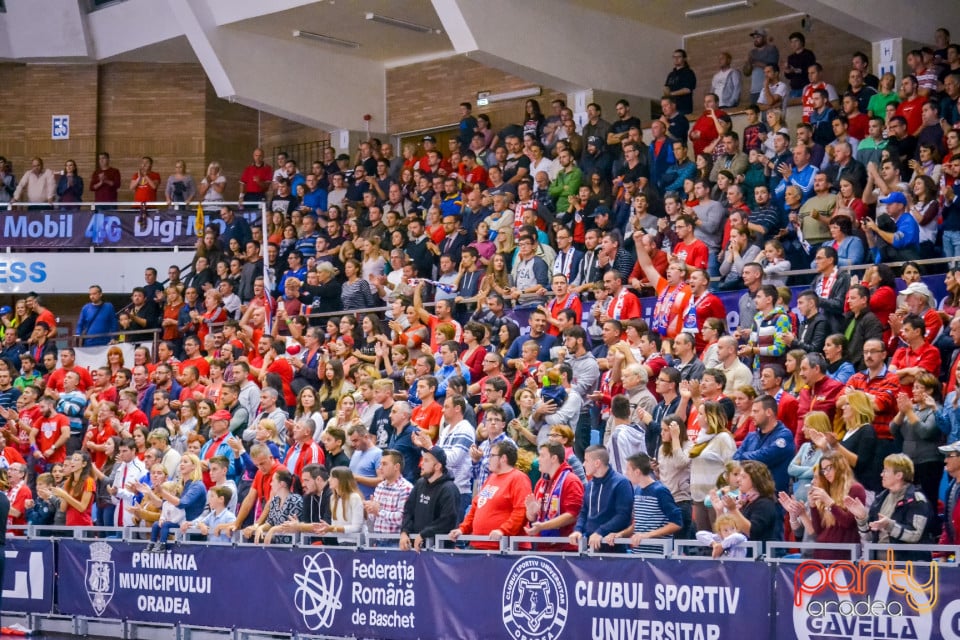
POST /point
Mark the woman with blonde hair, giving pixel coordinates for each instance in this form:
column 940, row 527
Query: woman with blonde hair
column 347, row 415
column 793, row 383
column 674, row 467
column 213, row 184
column 801, row 469
column 828, row 517
column 346, row 504
column 775, row 124
column 192, row 496
column 714, row 447
column 180, row 185
column 859, row 445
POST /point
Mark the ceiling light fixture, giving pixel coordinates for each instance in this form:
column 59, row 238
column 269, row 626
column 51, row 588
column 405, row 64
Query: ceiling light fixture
column 396, row 22
column 718, row 8
column 319, row 37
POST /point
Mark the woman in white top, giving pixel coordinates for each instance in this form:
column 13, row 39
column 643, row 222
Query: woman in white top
column 213, row 184
column 308, row 408
column 713, row 448
column 346, row 504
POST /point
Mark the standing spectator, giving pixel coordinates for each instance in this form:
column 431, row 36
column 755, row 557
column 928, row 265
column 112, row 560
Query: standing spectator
column 434, row 503
column 764, row 53
column 69, row 183
column 37, row 185
column 385, row 509
column 105, row 182
column 726, row 83
column 96, row 318
column 798, row 64
column 680, row 83
column 255, row 179
column 145, row 182
column 608, row 501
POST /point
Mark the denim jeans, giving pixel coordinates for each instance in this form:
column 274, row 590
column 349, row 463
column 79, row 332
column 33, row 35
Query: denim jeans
column 951, row 245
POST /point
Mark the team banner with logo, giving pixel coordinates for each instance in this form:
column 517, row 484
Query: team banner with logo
column 28, row 575
column 81, row 229
column 875, row 600
column 388, row 594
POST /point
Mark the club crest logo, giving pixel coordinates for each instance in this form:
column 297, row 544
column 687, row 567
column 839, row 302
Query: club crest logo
column 534, row 600
column 318, row 591
column 100, row 576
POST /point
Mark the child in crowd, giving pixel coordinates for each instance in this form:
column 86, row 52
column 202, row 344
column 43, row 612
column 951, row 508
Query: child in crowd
column 170, row 517
column 44, row 508
column 727, row 539
column 218, row 514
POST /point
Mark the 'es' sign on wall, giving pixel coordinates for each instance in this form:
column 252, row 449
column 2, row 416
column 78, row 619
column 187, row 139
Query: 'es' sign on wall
column 60, row 128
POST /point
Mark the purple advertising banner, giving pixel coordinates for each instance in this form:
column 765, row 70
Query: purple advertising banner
column 81, row 229
column 28, row 575
column 872, row 600
column 388, row 594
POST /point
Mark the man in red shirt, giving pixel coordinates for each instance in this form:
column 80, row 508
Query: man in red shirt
column 102, row 390
column 555, row 505
column 703, row 305
column 255, row 179
column 131, row 416
column 911, row 105
column 275, row 361
column 704, row 130
column 259, row 494
column 68, row 363
column 916, row 357
column 18, row 494
column 145, row 181
column 771, row 381
column 499, row 508
column 820, row 394
column 51, row 433
column 105, row 182
column 880, row 384
column 305, row 450
column 618, row 303
column 43, row 314
column 430, row 412
column 690, row 250
column 563, row 299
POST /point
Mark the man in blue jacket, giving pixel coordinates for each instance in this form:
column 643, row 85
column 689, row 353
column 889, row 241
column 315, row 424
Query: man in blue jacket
column 772, row 442
column 96, row 319
column 607, row 503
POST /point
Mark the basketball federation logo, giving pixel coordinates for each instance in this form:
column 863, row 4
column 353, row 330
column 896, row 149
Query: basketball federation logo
column 318, row 591
column 534, row 600
column 99, row 576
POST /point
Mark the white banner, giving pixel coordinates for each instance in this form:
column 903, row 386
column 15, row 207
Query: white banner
column 93, row 357
column 75, row 272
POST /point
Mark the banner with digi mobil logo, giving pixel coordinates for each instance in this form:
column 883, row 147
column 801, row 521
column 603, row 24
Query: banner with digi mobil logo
column 388, row 594
column 80, row 229
column 28, row 575
column 868, row 600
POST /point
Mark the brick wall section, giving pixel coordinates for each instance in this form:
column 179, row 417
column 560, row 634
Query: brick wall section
column 155, row 110
column 230, row 135
column 424, row 95
column 167, row 111
column 833, row 47
column 37, row 92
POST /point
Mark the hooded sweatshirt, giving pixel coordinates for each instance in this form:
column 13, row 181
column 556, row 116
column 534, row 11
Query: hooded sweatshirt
column 433, row 507
column 607, row 505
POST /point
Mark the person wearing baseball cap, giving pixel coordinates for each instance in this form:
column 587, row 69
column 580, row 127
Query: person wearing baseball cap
column 900, row 245
column 763, row 53
column 433, row 506
column 951, row 512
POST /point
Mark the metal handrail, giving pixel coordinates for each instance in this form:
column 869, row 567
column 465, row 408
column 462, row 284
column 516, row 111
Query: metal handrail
column 665, row 545
column 947, row 551
column 442, row 540
column 756, row 551
column 854, row 549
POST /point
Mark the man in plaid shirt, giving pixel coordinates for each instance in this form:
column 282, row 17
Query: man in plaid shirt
column 385, row 509
column 495, row 422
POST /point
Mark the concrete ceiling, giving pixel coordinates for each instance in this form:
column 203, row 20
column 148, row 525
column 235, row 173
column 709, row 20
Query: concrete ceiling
column 670, row 15
column 346, row 20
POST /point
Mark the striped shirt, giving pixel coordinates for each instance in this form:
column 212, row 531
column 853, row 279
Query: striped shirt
column 653, row 507
column 481, row 469
column 391, row 498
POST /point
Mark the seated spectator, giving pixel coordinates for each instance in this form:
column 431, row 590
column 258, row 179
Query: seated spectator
column 900, row 514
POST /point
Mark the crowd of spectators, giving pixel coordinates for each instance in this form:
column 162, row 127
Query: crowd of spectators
column 361, row 362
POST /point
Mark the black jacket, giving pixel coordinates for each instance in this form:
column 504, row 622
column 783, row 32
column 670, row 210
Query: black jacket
column 912, row 517
column 433, row 508
column 867, row 327
column 812, row 334
column 831, row 302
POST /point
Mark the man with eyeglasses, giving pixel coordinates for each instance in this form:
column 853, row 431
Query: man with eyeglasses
column 668, row 388
column 492, row 368
column 530, row 276
column 494, row 423
column 881, row 385
column 951, row 514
